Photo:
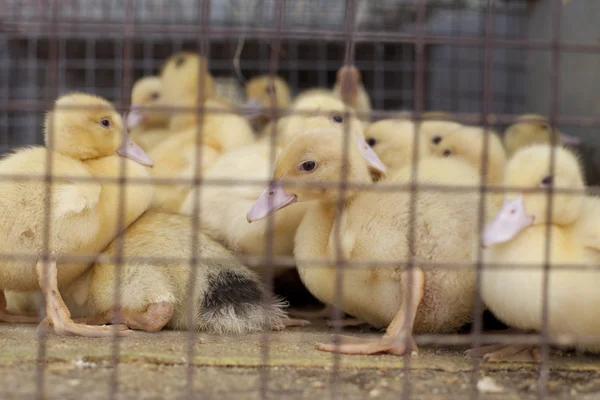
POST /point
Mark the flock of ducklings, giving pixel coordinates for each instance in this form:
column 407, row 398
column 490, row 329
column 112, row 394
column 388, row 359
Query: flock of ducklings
column 425, row 285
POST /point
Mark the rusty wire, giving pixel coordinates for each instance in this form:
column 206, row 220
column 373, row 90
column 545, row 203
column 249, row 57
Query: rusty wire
column 56, row 27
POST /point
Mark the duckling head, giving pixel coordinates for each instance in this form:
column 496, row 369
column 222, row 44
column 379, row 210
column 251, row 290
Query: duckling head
column 317, row 111
column 529, row 169
column 533, row 129
column 85, row 127
column 146, row 94
column 182, row 75
column 393, row 141
column 261, row 91
column 316, row 157
column 468, row 144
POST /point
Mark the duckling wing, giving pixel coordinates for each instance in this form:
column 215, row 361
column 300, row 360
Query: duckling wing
column 75, row 197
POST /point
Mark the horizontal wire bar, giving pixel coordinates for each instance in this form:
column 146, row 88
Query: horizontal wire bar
column 463, row 117
column 283, row 262
column 148, row 30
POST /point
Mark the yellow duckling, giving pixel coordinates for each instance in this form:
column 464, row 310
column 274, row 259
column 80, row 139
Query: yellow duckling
column 518, row 236
column 223, row 208
column 228, row 298
column 182, row 74
column 147, row 125
column 83, row 214
column 374, row 227
column 219, row 130
column 533, row 129
column 264, row 92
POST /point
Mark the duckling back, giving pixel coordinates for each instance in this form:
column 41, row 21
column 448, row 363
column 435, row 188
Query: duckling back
column 228, row 298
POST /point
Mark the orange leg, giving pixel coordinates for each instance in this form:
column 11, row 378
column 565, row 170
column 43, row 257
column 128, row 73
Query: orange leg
column 23, row 318
column 291, row 322
column 398, row 336
column 57, row 313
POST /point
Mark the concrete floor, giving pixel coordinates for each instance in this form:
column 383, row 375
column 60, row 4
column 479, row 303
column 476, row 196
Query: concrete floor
column 153, row 366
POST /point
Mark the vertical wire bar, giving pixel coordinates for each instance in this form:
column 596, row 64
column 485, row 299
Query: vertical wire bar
column 378, row 75
column 126, row 78
column 455, row 59
column 554, row 111
column 203, row 48
column 477, row 326
column 340, row 261
column 264, row 371
column 51, row 93
column 419, row 106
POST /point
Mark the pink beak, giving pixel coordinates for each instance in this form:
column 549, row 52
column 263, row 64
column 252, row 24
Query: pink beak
column 134, row 152
column 373, row 161
column 253, row 108
column 570, row 140
column 510, row 220
column 272, row 199
column 134, row 118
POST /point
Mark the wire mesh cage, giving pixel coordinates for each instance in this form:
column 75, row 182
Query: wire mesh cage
column 193, row 227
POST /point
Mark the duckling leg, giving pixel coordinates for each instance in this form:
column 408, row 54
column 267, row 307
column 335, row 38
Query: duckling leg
column 156, row 316
column 23, row 318
column 398, row 336
column 57, row 313
column 291, row 322
column 501, row 352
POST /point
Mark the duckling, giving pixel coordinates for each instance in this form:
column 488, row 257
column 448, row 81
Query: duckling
column 84, row 143
column 261, row 91
column 533, row 129
column 468, row 143
column 358, row 98
column 182, row 75
column 228, row 297
column 374, row 227
column 147, row 125
column 223, row 208
column 518, row 236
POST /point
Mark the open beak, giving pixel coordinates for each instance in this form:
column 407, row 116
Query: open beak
column 134, row 118
column 510, row 220
column 272, row 199
column 373, row 161
column 253, row 108
column 134, row 152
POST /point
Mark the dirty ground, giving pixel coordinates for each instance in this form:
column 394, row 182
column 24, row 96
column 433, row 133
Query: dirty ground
column 153, row 366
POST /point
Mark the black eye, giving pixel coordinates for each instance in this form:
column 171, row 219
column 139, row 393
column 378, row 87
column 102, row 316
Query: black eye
column 105, row 122
column 371, row 142
column 179, row 61
column 308, row 166
column 547, row 181
column 447, row 153
column 270, row 89
column 154, row 95
column 338, row 119
column 436, row 140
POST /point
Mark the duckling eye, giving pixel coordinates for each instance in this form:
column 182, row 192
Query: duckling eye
column 179, row 61
column 447, row 153
column 436, row 140
column 154, row 95
column 308, row 166
column 338, row 119
column 547, row 181
column 270, row 89
column 105, row 122
column 371, row 142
